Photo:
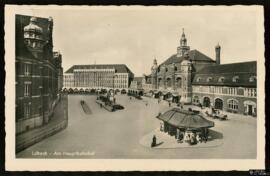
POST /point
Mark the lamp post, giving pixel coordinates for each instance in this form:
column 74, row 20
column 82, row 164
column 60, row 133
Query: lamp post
column 114, row 76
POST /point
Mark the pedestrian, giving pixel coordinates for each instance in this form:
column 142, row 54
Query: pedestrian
column 169, row 104
column 154, row 141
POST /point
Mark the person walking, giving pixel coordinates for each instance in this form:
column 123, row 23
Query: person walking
column 154, row 141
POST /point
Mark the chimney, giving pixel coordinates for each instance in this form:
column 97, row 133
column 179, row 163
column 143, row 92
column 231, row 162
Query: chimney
column 217, row 48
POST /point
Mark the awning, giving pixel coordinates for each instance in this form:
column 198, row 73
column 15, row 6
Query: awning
column 185, row 119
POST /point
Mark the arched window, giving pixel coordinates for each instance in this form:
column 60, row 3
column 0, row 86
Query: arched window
column 169, row 82
column 252, row 79
column 209, row 79
column 179, row 82
column 159, row 81
column 235, row 79
column 232, row 104
column 198, row 79
column 221, row 79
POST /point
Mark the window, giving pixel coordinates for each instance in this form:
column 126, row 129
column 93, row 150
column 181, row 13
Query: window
column 27, row 110
column 221, row 79
column 209, row 79
column 26, row 69
column 252, row 79
column 26, row 89
column 235, row 79
column 233, row 104
column 179, row 82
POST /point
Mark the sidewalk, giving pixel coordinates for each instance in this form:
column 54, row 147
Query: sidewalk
column 57, row 122
column 165, row 141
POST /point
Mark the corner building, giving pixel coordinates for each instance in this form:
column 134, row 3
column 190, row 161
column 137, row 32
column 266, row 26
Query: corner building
column 36, row 72
column 189, row 76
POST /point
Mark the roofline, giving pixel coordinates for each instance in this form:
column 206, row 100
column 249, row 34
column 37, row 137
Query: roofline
column 235, row 63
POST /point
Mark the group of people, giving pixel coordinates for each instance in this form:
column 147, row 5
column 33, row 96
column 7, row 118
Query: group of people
column 192, row 137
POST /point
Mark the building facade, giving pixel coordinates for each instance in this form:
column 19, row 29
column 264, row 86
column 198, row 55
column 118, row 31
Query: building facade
column 58, row 60
column 36, row 72
column 190, row 76
column 230, row 87
column 136, row 86
column 87, row 77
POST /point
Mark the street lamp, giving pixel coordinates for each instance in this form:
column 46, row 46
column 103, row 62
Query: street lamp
column 114, row 76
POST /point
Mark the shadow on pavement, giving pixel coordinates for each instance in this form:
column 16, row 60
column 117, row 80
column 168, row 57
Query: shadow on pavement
column 214, row 135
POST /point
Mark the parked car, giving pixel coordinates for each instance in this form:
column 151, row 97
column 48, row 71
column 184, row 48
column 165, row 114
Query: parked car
column 138, row 97
column 117, row 107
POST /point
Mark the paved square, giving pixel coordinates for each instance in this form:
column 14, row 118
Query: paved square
column 104, row 134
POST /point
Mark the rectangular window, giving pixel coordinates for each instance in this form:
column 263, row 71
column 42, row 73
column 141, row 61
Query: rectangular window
column 26, row 89
column 26, row 69
column 27, row 110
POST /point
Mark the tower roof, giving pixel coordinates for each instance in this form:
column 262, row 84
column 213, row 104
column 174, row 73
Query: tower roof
column 32, row 26
column 183, row 38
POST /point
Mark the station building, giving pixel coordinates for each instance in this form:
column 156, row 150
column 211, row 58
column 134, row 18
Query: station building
column 189, row 76
column 84, row 78
column 37, row 70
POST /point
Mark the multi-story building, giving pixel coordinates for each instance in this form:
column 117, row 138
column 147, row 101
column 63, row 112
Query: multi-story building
column 87, row 77
column 190, row 76
column 136, row 86
column 36, row 72
column 146, row 83
column 230, row 87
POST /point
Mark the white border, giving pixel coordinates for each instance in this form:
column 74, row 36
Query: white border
column 13, row 164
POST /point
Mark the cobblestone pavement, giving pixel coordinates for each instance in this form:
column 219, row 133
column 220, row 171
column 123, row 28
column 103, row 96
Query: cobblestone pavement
column 117, row 134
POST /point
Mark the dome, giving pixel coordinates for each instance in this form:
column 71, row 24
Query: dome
column 32, row 26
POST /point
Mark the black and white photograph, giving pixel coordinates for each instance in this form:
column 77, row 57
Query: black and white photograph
column 176, row 84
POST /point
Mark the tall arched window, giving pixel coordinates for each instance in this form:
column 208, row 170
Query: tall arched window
column 179, row 82
column 169, row 84
column 159, row 81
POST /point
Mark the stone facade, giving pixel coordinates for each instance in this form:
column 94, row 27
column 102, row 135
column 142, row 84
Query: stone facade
column 190, row 76
column 36, row 72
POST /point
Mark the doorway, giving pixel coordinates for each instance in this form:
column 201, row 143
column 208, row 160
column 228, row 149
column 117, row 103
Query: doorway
column 249, row 109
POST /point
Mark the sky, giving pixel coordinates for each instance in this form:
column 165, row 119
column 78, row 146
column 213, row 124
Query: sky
column 136, row 35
